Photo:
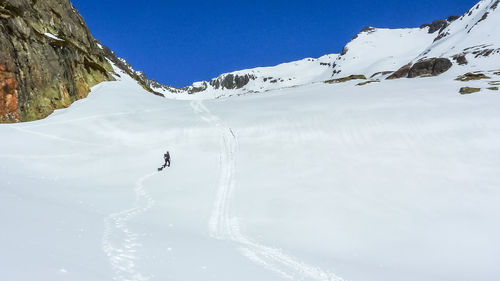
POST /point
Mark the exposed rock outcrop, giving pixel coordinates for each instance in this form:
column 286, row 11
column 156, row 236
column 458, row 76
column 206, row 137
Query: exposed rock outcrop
column 439, row 25
column 430, row 67
column 469, row 90
column 48, row 58
column 231, row 81
column 472, row 76
column 346, row 79
column 401, row 73
column 423, row 68
column 461, row 59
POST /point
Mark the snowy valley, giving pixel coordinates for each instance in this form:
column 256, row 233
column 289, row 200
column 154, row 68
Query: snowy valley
column 329, row 169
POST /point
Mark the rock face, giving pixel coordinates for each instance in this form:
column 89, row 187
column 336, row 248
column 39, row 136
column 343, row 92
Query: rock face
column 430, row 67
column 439, row 25
column 423, row 68
column 400, row 73
column 231, row 81
column 48, row 58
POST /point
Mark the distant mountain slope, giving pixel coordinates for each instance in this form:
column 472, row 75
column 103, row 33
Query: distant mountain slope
column 455, row 41
column 260, row 79
column 474, row 35
column 49, row 59
column 466, row 42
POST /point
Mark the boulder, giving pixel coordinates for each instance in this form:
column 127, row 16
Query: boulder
column 400, row 73
column 430, row 67
column 472, row 76
column 423, row 68
column 469, row 90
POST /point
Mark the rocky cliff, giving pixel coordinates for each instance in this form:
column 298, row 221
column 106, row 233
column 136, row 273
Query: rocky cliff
column 48, row 58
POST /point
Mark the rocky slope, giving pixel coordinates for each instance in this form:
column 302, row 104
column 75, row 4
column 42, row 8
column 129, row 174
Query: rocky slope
column 48, row 59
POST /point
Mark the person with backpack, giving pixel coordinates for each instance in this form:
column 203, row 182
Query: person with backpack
column 166, row 157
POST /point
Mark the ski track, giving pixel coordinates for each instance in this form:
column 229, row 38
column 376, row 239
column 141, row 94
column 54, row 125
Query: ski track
column 53, row 137
column 224, row 226
column 121, row 244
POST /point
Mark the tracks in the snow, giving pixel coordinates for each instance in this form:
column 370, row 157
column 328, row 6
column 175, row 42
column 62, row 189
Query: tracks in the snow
column 121, row 244
column 224, row 226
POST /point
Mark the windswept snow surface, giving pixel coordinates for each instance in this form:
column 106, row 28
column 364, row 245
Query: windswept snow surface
column 387, row 182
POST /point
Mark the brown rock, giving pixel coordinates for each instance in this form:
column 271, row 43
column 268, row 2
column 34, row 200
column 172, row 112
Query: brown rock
column 345, row 79
column 400, row 73
column 471, row 76
column 8, row 96
column 430, row 67
column 37, row 73
column 469, row 90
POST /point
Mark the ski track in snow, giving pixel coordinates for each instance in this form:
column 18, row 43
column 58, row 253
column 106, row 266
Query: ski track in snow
column 53, row 137
column 121, row 244
column 224, row 226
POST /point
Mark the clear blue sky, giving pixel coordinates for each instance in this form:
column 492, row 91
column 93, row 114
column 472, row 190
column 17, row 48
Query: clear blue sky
column 178, row 42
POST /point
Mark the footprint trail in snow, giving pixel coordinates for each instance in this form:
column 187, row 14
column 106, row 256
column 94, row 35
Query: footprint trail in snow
column 121, row 244
column 224, row 226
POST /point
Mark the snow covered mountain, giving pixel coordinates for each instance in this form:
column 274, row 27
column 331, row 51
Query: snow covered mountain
column 260, row 79
column 465, row 43
column 361, row 178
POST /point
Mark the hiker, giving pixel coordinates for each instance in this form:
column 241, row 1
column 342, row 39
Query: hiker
column 166, row 156
column 167, row 160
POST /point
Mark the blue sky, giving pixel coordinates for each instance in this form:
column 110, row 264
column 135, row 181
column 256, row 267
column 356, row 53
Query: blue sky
column 178, row 42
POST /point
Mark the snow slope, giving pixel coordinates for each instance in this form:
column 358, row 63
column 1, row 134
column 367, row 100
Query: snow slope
column 377, row 50
column 390, row 181
column 296, row 180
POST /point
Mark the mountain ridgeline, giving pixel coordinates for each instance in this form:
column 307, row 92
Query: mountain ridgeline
column 49, row 58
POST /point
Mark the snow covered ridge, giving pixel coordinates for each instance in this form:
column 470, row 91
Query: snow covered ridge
column 305, row 71
column 469, row 41
column 466, row 43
